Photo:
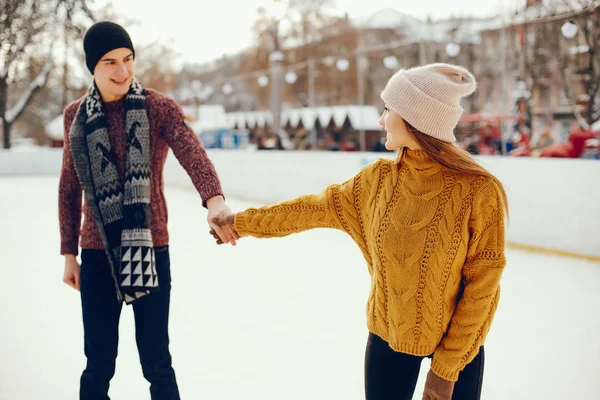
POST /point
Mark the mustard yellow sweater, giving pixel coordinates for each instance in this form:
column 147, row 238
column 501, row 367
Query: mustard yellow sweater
column 434, row 244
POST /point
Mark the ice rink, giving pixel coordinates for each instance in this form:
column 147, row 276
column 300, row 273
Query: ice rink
column 272, row 319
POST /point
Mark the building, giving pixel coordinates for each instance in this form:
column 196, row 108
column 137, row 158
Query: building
column 547, row 76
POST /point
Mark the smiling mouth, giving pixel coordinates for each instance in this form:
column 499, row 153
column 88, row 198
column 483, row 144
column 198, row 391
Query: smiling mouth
column 117, row 82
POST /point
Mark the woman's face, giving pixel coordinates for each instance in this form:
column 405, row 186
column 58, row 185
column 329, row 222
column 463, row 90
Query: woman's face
column 397, row 132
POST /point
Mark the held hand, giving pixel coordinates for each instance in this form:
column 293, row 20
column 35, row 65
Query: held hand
column 215, row 236
column 72, row 272
column 437, row 388
column 221, row 220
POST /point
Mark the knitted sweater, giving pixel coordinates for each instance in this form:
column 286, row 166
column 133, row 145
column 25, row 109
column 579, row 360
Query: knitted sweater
column 433, row 240
column 167, row 130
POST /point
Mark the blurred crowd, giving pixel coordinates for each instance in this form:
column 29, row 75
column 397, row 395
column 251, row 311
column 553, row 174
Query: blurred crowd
column 581, row 143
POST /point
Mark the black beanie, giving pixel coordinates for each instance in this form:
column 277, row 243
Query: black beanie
column 101, row 38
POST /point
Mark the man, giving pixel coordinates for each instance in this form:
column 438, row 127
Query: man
column 116, row 142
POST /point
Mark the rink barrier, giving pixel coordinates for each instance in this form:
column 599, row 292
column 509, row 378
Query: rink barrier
column 553, row 202
column 552, row 252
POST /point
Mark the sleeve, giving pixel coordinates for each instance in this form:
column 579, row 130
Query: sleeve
column 338, row 206
column 481, row 275
column 69, row 194
column 189, row 151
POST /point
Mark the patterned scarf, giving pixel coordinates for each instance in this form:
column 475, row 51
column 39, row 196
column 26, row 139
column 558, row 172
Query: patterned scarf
column 122, row 213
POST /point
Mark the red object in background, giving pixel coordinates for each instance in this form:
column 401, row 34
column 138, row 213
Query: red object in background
column 524, row 151
column 571, row 149
column 490, row 131
column 522, row 147
column 492, row 119
column 349, row 145
column 522, row 37
column 578, row 138
column 559, row 150
column 523, row 140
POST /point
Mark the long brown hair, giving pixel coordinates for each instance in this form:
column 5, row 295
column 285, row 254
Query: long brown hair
column 453, row 158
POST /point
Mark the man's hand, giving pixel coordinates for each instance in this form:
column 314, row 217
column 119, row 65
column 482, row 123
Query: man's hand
column 72, row 271
column 437, row 388
column 214, row 235
column 221, row 219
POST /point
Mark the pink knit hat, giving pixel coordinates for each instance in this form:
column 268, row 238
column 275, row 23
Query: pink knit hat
column 428, row 97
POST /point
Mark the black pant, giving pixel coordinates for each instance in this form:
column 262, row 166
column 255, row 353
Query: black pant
column 390, row 375
column 101, row 312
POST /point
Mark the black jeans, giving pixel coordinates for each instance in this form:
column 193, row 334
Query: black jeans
column 101, row 312
column 390, row 375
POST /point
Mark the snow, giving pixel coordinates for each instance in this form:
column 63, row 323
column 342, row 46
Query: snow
column 55, row 128
column 547, row 8
column 272, row 319
column 467, row 29
column 38, row 82
column 387, row 18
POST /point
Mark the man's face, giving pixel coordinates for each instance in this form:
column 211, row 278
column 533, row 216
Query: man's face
column 113, row 74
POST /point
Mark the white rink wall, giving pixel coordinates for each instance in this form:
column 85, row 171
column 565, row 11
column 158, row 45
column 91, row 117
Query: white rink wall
column 554, row 203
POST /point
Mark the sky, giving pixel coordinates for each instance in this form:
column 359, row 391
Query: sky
column 205, row 30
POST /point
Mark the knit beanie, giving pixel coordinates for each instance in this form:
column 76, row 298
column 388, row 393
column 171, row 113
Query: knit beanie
column 428, row 97
column 101, row 38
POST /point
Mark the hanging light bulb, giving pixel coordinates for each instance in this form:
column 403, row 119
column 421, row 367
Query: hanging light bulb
column 452, row 49
column 569, row 29
column 263, row 81
column 227, row 89
column 342, row 64
column 291, row 77
column 196, row 85
column 390, row 62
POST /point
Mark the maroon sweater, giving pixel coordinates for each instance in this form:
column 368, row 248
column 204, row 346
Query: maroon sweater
column 167, row 129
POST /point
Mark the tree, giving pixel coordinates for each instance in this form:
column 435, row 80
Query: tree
column 22, row 23
column 266, row 30
column 155, row 67
column 302, row 21
column 303, row 27
column 28, row 32
column 584, row 63
column 308, row 19
column 73, row 30
column 576, row 61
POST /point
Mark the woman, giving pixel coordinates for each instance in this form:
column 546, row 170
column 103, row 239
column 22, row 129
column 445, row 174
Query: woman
column 431, row 228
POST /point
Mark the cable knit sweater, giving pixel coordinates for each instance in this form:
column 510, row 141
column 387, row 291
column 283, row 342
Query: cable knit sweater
column 434, row 244
column 167, row 130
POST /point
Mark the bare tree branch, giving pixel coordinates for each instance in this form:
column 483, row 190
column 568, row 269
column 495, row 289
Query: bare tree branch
column 86, row 10
column 24, row 42
column 25, row 26
column 38, row 83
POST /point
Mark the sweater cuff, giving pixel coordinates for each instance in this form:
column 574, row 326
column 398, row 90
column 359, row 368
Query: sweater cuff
column 239, row 223
column 443, row 372
column 210, row 191
column 69, row 248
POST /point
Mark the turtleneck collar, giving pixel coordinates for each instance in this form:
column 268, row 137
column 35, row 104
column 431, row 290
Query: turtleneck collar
column 417, row 159
column 422, row 177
